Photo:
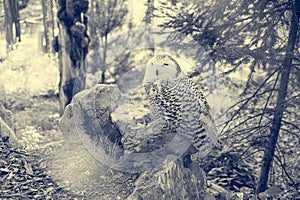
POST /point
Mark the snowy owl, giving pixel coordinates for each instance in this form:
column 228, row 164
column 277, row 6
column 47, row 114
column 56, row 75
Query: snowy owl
column 178, row 100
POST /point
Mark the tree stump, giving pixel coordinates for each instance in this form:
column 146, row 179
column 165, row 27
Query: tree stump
column 77, row 167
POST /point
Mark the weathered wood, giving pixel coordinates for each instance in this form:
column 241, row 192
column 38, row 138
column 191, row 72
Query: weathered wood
column 76, row 166
column 73, row 48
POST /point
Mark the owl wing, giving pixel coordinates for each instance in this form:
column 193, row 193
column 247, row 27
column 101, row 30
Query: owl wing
column 206, row 115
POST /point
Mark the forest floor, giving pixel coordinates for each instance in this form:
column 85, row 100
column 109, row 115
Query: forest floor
column 29, row 79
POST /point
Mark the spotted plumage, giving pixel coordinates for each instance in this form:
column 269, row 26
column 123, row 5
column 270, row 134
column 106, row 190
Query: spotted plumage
column 179, row 101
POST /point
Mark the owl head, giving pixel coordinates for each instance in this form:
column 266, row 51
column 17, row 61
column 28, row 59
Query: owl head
column 161, row 67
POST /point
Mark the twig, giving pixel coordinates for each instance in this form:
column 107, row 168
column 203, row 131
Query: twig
column 15, row 195
column 248, row 100
column 23, row 153
column 268, row 99
column 282, row 165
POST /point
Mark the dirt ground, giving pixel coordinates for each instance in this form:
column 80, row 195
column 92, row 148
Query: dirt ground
column 28, row 81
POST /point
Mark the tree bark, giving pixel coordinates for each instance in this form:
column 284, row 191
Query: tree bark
column 45, row 22
column 104, row 64
column 73, row 48
column 12, row 25
column 49, row 26
column 280, row 103
column 149, row 11
column 149, row 20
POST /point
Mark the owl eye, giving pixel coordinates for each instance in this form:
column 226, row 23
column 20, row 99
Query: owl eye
column 165, row 64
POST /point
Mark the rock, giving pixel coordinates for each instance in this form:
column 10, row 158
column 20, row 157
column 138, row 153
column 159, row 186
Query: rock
column 93, row 163
column 7, row 116
column 7, row 132
column 73, row 165
column 2, row 94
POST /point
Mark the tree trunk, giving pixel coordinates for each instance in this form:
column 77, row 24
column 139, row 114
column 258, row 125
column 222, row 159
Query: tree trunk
column 92, row 27
column 104, row 64
column 280, row 104
column 12, row 25
column 149, row 12
column 149, row 20
column 48, row 21
column 73, row 42
column 45, row 22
